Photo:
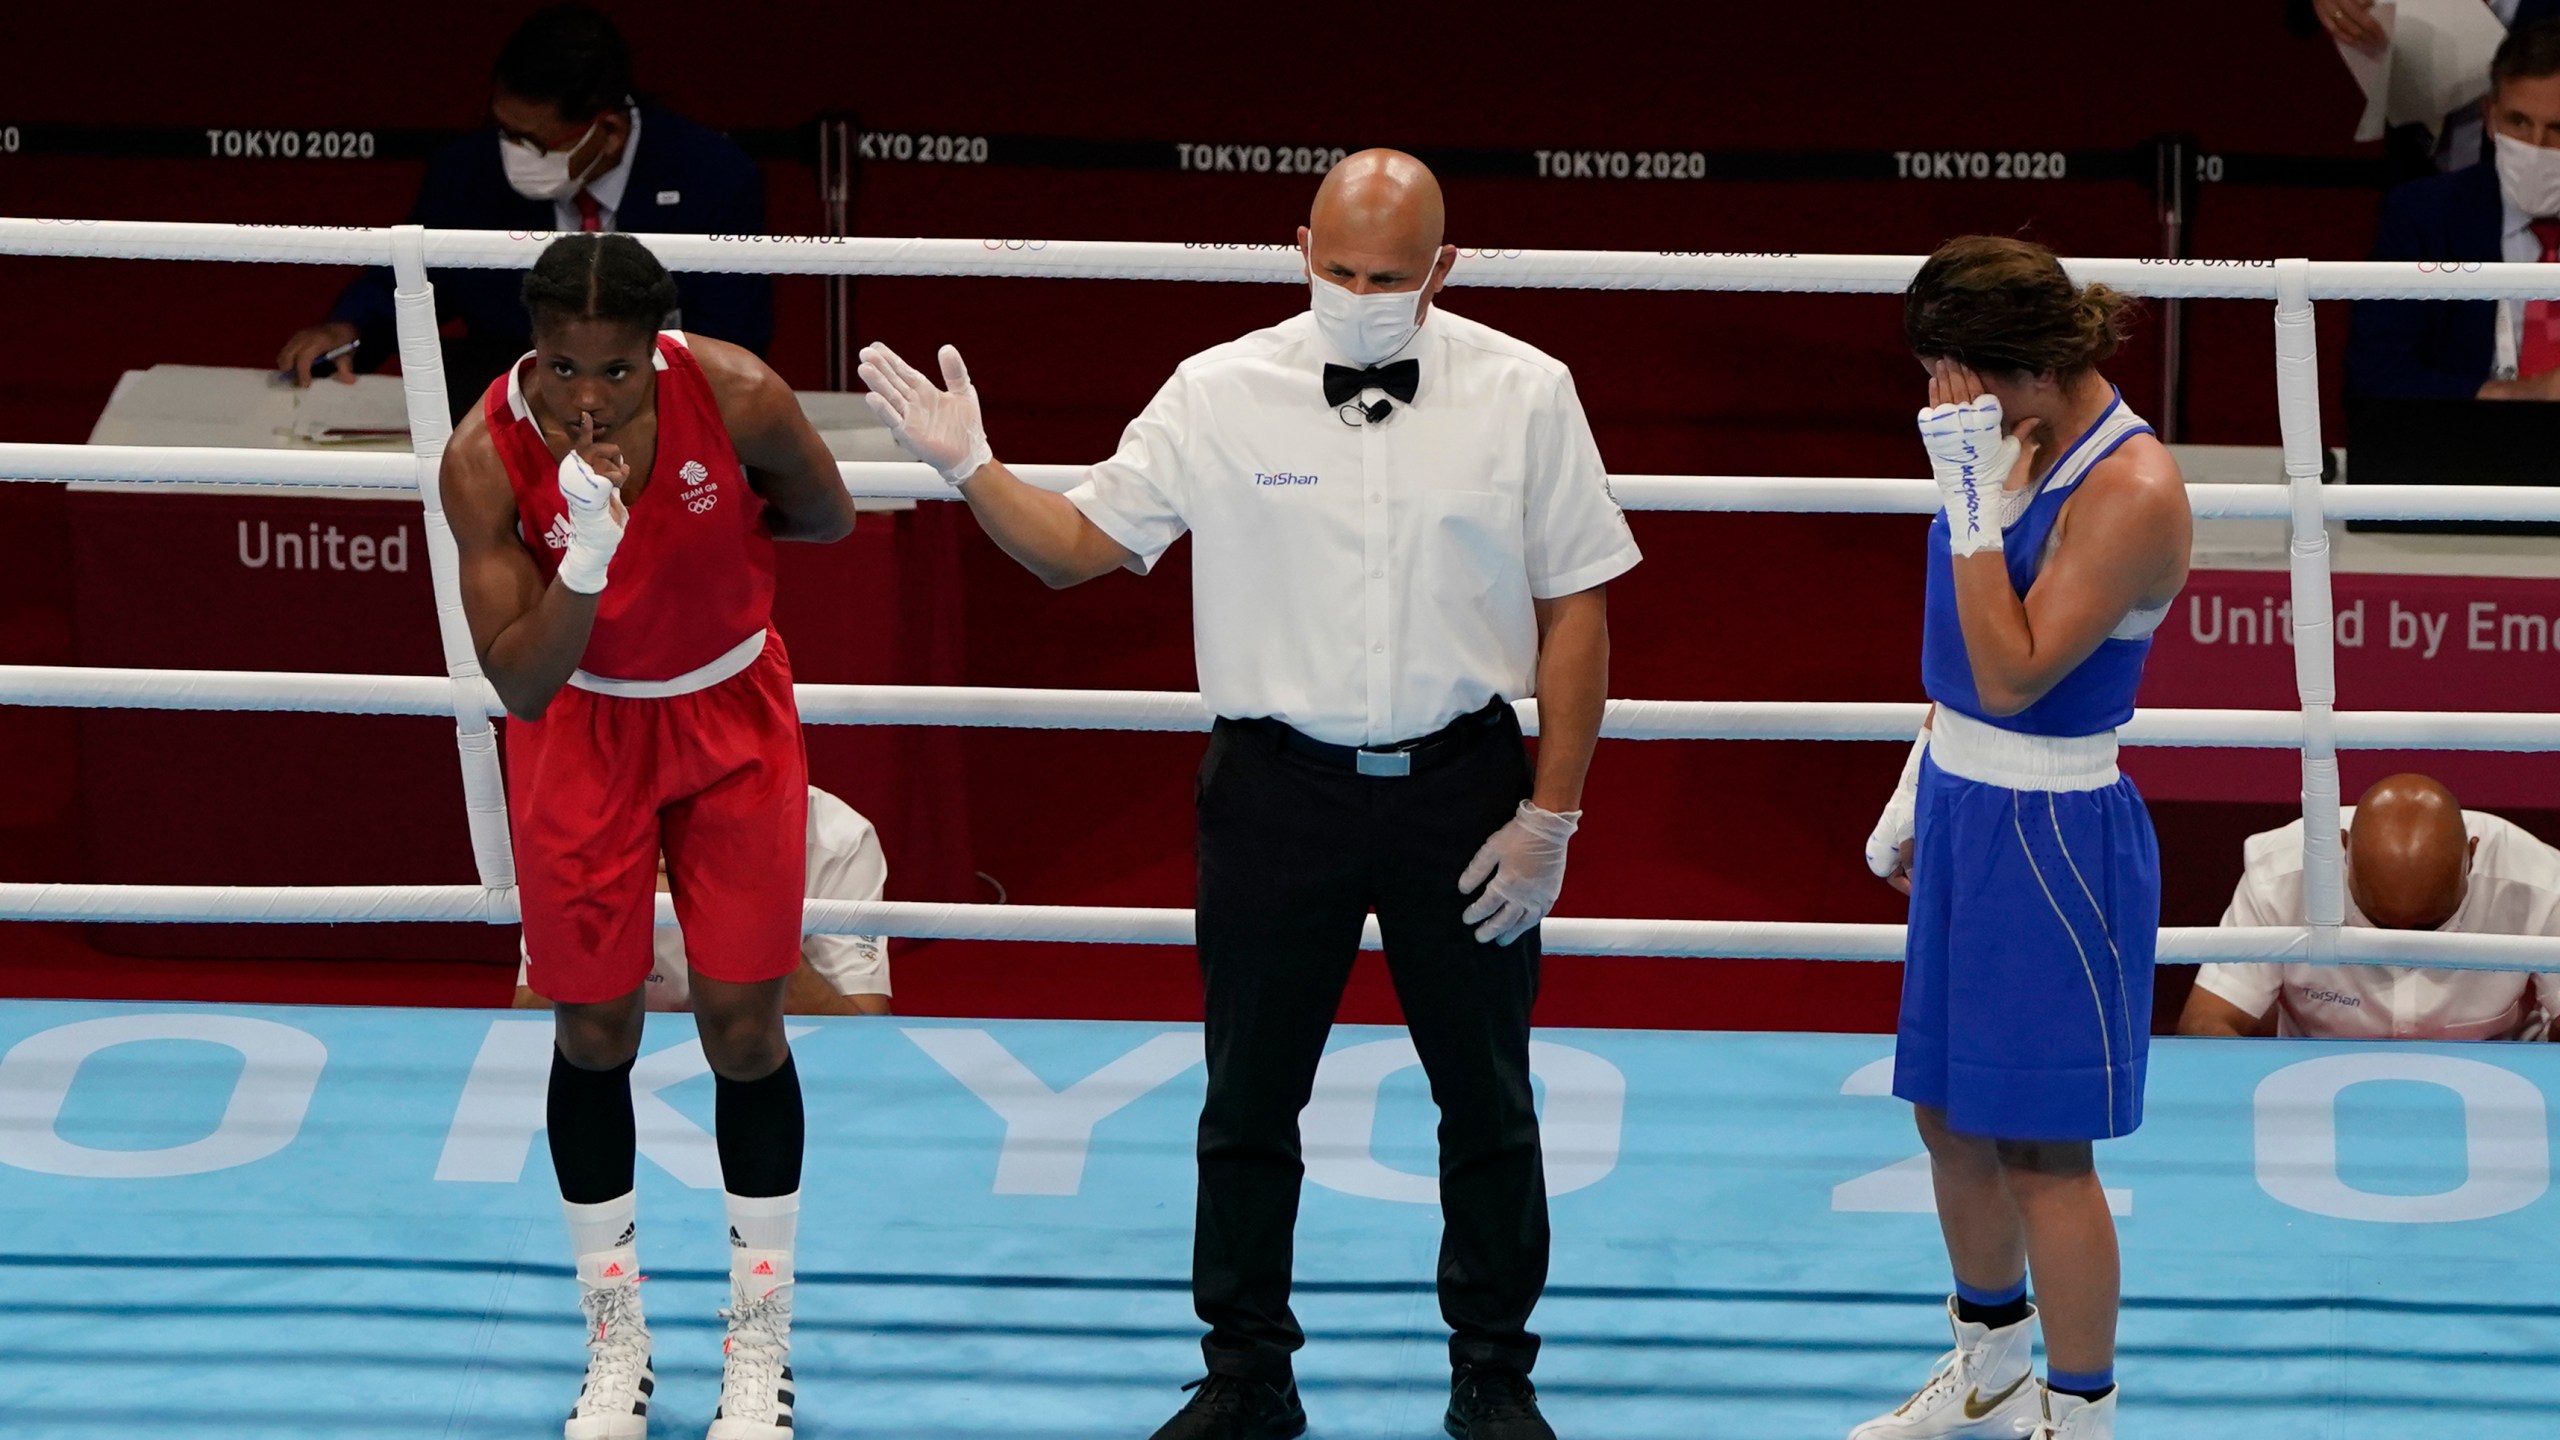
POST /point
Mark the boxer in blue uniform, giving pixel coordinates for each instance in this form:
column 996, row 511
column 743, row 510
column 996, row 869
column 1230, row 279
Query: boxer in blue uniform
column 2033, row 875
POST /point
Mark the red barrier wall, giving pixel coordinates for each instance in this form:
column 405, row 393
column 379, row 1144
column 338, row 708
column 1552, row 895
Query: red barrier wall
column 1744, row 608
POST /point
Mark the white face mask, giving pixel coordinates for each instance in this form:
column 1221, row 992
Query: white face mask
column 2530, row 176
column 1367, row 329
column 546, row 175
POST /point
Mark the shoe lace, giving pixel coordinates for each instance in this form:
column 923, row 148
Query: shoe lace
column 1943, row 1379
column 1500, row 1394
column 617, row 1347
column 758, row 1344
column 1220, row 1394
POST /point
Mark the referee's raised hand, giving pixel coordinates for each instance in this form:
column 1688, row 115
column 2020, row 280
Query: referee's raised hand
column 938, row 424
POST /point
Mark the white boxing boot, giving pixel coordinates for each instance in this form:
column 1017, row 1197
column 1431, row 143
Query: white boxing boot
column 614, row 1402
column 1985, row 1387
column 2068, row 1417
column 755, row 1376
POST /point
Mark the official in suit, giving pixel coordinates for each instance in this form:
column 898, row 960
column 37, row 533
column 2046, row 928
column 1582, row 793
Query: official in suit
column 2414, row 149
column 2505, row 208
column 567, row 149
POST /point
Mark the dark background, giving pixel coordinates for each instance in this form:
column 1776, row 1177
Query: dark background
column 1815, row 607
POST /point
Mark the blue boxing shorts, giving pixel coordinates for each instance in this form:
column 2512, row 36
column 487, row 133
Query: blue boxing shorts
column 2035, row 914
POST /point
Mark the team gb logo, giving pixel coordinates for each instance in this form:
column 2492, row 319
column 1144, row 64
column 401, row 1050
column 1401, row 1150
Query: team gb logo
column 699, row 494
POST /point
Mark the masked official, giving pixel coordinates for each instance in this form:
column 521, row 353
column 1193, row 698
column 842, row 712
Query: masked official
column 1400, row 526
column 566, row 149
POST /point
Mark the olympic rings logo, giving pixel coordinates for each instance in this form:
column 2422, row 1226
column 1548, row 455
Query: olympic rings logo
column 1489, row 253
column 1015, row 244
column 2449, row 267
column 66, row 222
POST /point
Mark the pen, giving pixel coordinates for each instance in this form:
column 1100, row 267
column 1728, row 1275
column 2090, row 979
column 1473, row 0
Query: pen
column 317, row 361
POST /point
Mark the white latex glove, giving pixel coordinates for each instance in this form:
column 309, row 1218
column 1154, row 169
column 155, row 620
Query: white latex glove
column 1525, row 863
column 1971, row 460
column 1900, row 820
column 939, row 426
column 596, row 520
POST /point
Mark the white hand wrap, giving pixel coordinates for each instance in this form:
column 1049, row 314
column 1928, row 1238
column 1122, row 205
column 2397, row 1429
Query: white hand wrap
column 1900, row 820
column 1971, row 460
column 594, row 533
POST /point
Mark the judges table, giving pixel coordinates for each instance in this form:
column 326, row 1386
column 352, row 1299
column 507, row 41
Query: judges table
column 269, row 578
column 2424, row 622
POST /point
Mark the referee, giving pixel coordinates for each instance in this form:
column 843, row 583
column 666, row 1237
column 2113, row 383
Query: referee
column 1401, row 525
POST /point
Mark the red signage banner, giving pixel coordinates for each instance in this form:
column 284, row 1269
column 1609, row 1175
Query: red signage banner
column 2404, row 642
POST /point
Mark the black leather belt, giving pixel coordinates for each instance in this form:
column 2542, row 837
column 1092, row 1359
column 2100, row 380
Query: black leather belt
column 1389, row 761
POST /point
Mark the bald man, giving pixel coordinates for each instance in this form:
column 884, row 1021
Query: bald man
column 1400, row 525
column 2416, row 860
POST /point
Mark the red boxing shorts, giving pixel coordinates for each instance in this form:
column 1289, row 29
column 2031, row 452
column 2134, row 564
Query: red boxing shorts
column 716, row 778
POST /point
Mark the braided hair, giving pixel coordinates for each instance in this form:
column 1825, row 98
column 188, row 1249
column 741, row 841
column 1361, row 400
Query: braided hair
column 600, row 276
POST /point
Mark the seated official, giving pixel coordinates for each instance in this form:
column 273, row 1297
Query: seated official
column 2458, row 140
column 838, row 974
column 567, row 149
column 2506, row 208
column 2416, row 860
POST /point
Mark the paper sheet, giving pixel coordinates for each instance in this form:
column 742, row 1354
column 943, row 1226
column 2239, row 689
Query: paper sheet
column 330, row 413
column 2436, row 61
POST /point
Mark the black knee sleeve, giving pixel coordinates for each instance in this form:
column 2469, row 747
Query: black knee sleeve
column 588, row 1116
column 762, row 1132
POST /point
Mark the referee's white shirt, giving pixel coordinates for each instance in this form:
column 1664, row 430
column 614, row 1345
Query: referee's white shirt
column 1366, row 583
column 2515, row 890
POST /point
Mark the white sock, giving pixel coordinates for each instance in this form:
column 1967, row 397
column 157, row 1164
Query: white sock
column 764, row 1223
column 600, row 1229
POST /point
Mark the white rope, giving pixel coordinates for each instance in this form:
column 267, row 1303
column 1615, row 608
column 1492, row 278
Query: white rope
column 988, row 705
column 211, row 465
column 897, row 480
column 2293, row 283
column 73, row 687
column 2315, row 672
column 484, row 787
column 1272, row 264
column 1134, row 925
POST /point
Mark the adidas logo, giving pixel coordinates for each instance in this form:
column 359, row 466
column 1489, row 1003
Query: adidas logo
column 557, row 537
column 613, row 1271
column 763, row 1267
column 734, row 1241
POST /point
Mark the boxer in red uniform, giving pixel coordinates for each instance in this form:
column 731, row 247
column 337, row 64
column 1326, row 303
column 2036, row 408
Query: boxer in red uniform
column 615, row 500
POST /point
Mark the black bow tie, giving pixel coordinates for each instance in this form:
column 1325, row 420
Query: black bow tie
column 1398, row 378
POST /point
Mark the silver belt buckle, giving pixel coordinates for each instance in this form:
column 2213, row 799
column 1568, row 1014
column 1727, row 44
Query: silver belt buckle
column 1388, row 763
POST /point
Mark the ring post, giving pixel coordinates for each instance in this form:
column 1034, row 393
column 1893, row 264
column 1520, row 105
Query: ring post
column 2315, row 672
column 484, row 789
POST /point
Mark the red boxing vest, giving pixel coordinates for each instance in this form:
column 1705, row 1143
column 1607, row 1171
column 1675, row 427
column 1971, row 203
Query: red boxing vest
column 693, row 578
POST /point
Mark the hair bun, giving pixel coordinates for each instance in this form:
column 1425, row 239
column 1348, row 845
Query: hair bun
column 2105, row 314
column 1998, row 303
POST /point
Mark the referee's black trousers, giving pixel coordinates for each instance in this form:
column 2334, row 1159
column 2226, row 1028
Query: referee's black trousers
column 1294, row 855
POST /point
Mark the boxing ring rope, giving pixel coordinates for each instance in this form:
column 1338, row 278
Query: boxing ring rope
column 2315, row 673
column 2316, row 729
column 1180, row 712
column 1263, row 263
column 899, row 480
column 484, row 789
column 1130, row 925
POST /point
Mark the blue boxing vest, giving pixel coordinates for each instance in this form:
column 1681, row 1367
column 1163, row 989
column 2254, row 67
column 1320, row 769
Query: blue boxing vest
column 2097, row 696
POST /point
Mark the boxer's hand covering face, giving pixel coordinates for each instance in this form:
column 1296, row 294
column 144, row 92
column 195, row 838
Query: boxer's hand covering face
column 591, row 477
